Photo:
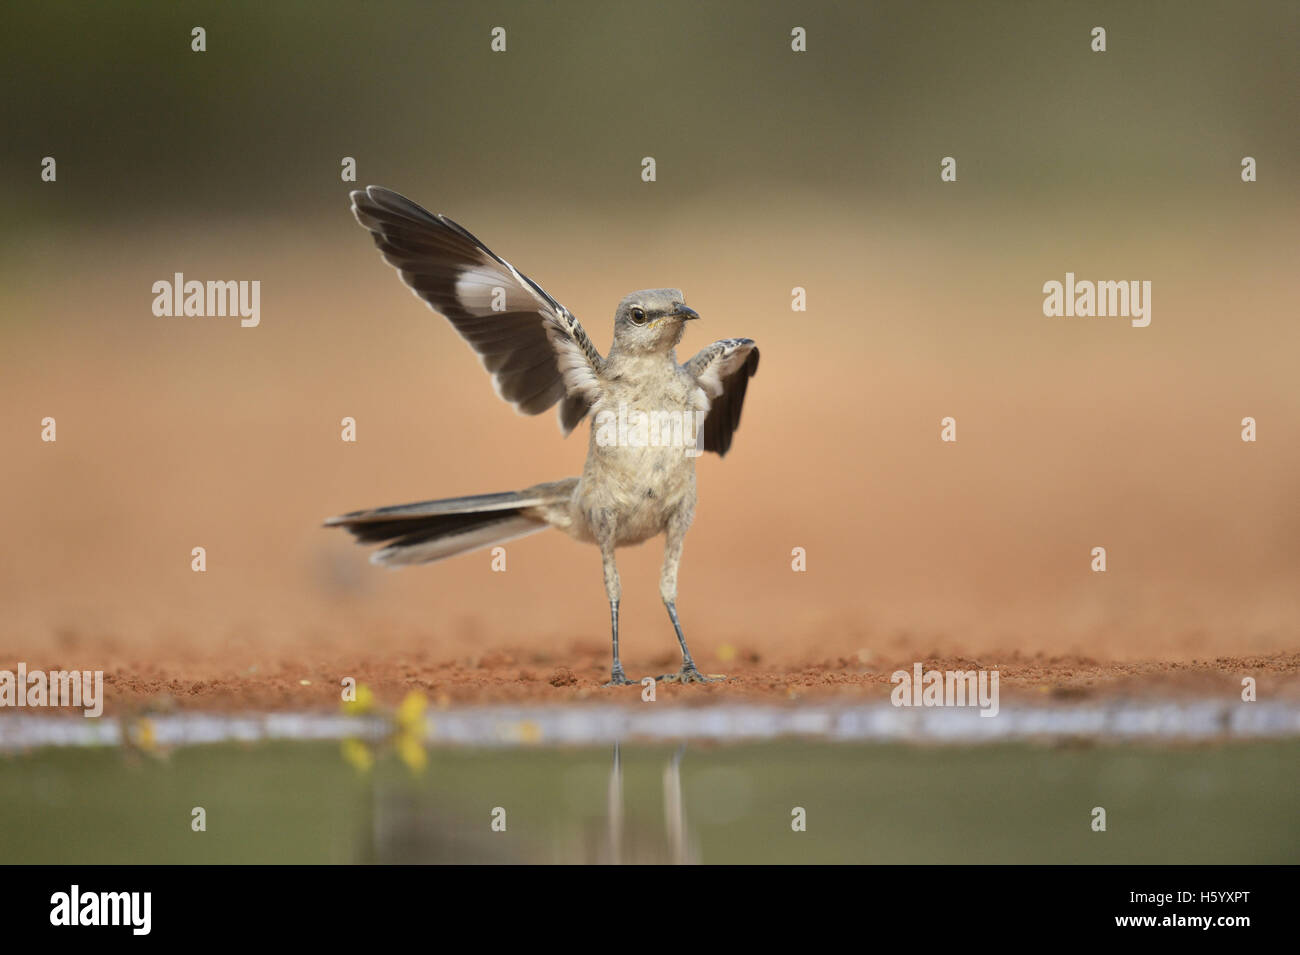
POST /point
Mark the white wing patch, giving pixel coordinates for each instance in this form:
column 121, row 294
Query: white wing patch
column 485, row 289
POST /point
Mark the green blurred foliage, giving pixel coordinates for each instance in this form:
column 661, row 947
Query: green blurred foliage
column 142, row 127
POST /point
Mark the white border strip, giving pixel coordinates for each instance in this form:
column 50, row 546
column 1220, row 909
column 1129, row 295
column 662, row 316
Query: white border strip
column 594, row 725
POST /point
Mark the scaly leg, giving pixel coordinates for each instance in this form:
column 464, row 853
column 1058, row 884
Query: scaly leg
column 689, row 673
column 613, row 590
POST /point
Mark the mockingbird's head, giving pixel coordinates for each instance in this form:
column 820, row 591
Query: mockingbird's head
column 651, row 321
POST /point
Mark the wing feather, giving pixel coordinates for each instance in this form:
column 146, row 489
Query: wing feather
column 723, row 370
column 536, row 351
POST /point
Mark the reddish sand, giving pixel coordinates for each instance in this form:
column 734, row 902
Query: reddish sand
column 578, row 672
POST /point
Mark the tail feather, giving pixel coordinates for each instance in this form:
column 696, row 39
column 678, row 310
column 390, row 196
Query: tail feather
column 432, row 530
column 434, row 543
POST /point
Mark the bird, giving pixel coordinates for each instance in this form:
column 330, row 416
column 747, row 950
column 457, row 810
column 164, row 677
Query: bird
column 651, row 416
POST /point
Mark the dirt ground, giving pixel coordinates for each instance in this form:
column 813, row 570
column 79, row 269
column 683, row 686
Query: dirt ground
column 180, row 433
column 578, row 672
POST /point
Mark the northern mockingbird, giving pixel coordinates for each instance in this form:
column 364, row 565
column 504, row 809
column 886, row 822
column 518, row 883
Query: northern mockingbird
column 651, row 415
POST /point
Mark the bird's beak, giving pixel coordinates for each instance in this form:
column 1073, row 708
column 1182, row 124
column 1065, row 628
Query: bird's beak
column 685, row 313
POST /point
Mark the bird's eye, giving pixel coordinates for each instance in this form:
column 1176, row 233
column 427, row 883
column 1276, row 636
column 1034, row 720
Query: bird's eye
column 638, row 316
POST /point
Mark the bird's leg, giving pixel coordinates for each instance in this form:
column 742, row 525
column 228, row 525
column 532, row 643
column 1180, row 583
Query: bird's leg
column 613, row 591
column 617, row 676
column 689, row 673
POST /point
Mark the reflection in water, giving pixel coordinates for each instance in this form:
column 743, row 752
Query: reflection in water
column 683, row 851
column 614, row 808
column 410, row 824
column 677, row 847
column 377, row 801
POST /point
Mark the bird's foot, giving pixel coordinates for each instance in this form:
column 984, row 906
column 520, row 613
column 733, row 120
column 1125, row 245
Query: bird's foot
column 690, row 674
column 619, row 678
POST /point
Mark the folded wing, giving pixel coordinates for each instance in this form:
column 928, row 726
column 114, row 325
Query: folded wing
column 723, row 370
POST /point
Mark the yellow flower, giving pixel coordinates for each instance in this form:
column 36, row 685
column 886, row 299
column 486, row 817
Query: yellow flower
column 529, row 732
column 411, row 752
column 358, row 754
column 364, row 702
column 411, row 712
column 143, row 735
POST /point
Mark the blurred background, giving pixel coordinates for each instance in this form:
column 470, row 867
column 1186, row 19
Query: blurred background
column 774, row 170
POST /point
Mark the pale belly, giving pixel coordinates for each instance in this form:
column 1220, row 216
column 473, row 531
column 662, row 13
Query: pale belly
column 633, row 491
column 640, row 469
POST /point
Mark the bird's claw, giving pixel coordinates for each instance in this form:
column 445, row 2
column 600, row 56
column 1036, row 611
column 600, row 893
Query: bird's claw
column 690, row 674
column 619, row 678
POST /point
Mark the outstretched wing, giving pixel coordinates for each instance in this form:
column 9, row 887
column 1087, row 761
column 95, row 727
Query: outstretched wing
column 535, row 350
column 723, row 370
